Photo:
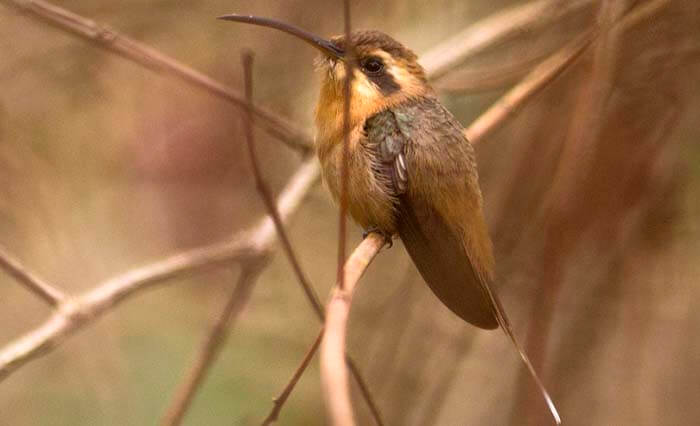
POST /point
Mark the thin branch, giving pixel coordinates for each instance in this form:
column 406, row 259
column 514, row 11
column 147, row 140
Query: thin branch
column 446, row 377
column 488, row 77
column 334, row 376
column 364, row 389
column 142, row 54
column 73, row 314
column 267, row 196
column 211, row 346
column 641, row 13
column 592, row 99
column 278, row 402
column 531, row 85
column 491, row 30
column 76, row 313
column 349, row 65
column 36, row 285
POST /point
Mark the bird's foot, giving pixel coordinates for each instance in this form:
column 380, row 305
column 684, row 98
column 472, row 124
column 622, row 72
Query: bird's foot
column 387, row 237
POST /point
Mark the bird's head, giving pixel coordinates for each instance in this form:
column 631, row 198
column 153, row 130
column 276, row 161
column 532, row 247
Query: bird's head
column 385, row 72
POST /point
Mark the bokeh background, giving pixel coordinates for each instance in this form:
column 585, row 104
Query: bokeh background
column 591, row 189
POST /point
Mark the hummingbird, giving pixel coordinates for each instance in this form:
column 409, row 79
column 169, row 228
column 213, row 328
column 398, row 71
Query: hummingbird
column 411, row 171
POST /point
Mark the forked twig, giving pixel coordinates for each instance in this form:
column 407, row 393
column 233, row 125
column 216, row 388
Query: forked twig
column 79, row 311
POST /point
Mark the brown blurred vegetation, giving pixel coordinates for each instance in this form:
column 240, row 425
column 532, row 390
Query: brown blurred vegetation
column 591, row 193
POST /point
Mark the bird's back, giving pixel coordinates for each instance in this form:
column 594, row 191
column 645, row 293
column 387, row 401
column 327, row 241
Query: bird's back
column 439, row 212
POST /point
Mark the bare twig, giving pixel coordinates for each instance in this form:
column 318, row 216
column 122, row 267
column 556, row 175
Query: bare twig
column 269, row 199
column 489, row 31
column 459, row 347
column 36, row 285
column 76, row 313
column 349, row 65
column 488, row 77
column 212, row 345
column 364, row 389
column 105, row 37
column 278, row 402
column 535, row 81
column 334, row 377
column 640, row 13
column 282, row 398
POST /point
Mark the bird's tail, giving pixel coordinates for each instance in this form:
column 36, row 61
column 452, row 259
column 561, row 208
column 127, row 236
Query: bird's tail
column 443, row 260
column 504, row 322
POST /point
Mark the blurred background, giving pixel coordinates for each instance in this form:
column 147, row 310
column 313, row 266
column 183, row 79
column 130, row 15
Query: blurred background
column 592, row 193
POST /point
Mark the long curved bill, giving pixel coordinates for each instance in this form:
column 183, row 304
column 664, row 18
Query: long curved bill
column 319, row 43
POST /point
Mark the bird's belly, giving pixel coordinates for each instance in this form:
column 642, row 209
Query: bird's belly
column 369, row 204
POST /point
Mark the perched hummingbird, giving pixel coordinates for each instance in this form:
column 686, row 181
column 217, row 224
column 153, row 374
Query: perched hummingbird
column 411, row 170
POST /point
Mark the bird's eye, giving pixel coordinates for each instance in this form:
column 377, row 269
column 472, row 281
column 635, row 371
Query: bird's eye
column 372, row 65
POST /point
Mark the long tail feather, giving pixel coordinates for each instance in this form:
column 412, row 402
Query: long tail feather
column 503, row 321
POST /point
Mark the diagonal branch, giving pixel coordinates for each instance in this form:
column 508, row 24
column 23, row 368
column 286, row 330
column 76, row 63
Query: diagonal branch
column 278, row 402
column 530, row 86
column 76, row 313
column 476, row 38
column 36, row 285
column 266, row 193
column 142, row 54
column 212, row 345
column 364, row 389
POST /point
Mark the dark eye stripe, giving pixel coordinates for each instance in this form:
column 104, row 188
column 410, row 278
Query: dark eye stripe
column 386, row 83
column 375, row 70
